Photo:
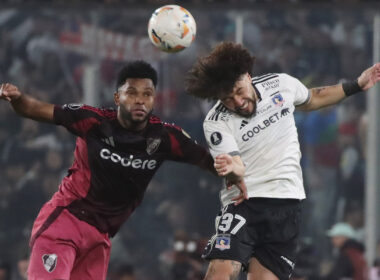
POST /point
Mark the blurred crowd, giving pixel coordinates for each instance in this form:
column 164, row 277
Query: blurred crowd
column 49, row 53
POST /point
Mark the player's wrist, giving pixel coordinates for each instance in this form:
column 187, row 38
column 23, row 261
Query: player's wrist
column 16, row 98
column 351, row 87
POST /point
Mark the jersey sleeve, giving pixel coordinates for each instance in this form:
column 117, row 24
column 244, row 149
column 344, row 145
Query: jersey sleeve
column 301, row 92
column 185, row 149
column 78, row 119
column 220, row 138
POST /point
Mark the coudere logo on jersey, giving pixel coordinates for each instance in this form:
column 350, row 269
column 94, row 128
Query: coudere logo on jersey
column 128, row 161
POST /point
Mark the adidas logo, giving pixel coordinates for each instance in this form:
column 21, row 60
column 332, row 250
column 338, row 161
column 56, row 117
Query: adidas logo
column 109, row 141
column 243, row 124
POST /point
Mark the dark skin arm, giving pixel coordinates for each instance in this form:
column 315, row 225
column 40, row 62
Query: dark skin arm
column 25, row 105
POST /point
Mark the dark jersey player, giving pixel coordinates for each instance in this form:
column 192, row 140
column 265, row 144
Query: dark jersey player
column 117, row 153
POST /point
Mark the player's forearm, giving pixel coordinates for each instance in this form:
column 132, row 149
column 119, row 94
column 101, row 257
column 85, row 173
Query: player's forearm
column 32, row 108
column 237, row 172
column 207, row 163
column 324, row 96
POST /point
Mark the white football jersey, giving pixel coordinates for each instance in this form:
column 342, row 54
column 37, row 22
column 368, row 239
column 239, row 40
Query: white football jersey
column 266, row 142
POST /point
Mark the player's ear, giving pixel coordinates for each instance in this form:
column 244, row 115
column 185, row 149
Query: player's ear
column 116, row 97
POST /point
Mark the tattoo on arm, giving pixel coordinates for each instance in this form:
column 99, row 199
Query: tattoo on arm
column 319, row 90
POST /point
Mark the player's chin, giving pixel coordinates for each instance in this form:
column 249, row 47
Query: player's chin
column 139, row 118
column 139, row 115
column 246, row 113
column 249, row 111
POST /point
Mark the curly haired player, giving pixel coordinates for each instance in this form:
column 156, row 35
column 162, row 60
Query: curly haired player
column 251, row 134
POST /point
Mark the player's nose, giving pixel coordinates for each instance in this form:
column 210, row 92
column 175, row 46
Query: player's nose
column 238, row 101
column 139, row 99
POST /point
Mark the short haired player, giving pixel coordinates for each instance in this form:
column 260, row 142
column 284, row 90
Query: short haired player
column 251, row 134
column 117, row 153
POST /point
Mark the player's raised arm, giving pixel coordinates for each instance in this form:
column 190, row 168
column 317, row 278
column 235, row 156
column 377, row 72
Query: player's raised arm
column 330, row 95
column 25, row 105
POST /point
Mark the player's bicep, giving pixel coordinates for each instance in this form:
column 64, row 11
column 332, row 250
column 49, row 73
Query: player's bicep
column 76, row 118
column 44, row 113
column 301, row 94
column 308, row 104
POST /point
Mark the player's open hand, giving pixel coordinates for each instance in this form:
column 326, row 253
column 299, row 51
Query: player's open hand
column 9, row 92
column 243, row 195
column 223, row 164
column 369, row 77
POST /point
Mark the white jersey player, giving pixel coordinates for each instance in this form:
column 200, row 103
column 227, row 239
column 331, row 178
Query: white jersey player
column 252, row 135
column 267, row 141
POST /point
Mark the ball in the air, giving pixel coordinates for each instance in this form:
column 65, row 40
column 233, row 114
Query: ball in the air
column 172, row 28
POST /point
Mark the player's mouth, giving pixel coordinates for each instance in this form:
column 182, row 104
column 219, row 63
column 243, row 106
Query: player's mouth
column 139, row 109
column 244, row 107
column 247, row 109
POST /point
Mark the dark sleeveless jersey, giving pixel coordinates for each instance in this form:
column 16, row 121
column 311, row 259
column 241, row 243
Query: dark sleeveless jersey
column 113, row 166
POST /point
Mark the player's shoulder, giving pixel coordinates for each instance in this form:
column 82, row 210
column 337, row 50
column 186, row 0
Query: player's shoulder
column 272, row 83
column 101, row 112
column 218, row 113
column 157, row 122
column 271, row 78
column 169, row 128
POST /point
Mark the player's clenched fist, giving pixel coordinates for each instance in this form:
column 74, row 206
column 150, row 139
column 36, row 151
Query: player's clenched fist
column 223, row 164
column 369, row 77
column 9, row 92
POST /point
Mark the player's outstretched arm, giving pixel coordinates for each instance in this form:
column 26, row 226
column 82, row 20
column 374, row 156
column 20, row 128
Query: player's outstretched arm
column 25, row 105
column 330, row 95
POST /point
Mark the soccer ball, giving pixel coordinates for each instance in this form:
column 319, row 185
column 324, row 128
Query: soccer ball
column 171, row 28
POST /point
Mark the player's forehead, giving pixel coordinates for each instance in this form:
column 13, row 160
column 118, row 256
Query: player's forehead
column 242, row 81
column 138, row 84
column 240, row 84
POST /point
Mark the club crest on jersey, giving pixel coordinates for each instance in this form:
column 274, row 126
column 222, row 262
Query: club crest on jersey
column 50, row 262
column 223, row 242
column 278, row 100
column 216, row 138
column 73, row 106
column 152, row 145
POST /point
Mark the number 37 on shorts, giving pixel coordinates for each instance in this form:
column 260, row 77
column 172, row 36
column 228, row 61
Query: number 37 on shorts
column 227, row 225
column 230, row 223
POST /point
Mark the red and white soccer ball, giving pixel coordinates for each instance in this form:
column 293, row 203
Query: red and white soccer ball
column 172, row 28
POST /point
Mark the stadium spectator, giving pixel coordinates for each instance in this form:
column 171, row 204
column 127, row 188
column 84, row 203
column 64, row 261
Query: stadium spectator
column 374, row 273
column 5, row 270
column 350, row 262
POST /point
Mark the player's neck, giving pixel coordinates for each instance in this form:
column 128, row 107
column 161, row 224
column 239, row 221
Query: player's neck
column 133, row 126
